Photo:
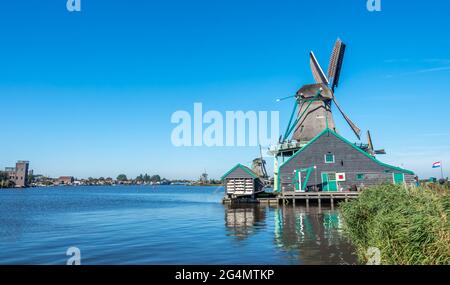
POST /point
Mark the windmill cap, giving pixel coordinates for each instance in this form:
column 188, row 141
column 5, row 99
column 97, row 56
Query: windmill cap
column 310, row 91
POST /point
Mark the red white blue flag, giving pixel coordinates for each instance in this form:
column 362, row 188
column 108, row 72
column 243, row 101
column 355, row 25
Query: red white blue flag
column 437, row 164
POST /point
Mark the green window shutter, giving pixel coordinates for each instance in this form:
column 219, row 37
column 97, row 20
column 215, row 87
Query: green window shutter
column 360, row 176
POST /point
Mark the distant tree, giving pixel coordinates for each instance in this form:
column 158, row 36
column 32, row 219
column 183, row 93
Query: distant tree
column 4, row 179
column 121, row 177
column 3, row 176
column 31, row 179
column 140, row 178
column 213, row 181
column 147, row 178
column 155, row 178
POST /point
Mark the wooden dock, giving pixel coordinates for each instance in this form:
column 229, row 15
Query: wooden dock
column 319, row 197
column 299, row 198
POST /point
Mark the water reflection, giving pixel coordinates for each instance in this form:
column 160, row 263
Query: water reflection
column 302, row 235
column 242, row 221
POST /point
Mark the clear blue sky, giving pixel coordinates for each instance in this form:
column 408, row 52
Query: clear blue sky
column 91, row 93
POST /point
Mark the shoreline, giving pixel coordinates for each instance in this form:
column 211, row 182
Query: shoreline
column 112, row 185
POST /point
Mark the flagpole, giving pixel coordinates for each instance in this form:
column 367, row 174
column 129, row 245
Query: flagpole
column 442, row 171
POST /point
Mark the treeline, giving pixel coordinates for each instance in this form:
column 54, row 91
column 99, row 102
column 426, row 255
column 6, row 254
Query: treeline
column 144, row 178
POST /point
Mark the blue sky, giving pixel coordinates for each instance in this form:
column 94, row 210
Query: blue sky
column 92, row 93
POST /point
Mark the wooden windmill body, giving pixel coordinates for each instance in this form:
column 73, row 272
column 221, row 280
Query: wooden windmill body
column 315, row 100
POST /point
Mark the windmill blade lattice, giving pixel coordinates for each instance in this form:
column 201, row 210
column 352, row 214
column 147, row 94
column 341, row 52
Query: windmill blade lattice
column 352, row 125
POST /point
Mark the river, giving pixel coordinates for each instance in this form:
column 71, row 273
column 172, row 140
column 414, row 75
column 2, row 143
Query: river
column 162, row 225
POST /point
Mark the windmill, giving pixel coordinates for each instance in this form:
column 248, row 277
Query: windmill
column 370, row 148
column 259, row 166
column 314, row 100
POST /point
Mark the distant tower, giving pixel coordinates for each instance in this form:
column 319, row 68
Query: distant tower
column 21, row 177
column 204, row 178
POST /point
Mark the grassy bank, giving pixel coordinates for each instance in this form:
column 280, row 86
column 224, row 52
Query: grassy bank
column 408, row 225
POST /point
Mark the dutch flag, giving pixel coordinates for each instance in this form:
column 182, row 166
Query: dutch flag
column 437, row 164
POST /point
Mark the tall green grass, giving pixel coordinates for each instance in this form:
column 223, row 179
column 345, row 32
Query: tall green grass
column 408, row 225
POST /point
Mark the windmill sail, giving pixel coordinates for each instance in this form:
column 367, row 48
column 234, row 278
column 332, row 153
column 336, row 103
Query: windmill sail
column 352, row 125
column 265, row 175
column 369, row 141
column 371, row 148
column 319, row 75
column 334, row 69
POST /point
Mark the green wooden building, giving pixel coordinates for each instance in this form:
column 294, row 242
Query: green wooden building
column 329, row 162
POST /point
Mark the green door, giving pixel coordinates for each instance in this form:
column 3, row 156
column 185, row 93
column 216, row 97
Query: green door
column 399, row 178
column 329, row 183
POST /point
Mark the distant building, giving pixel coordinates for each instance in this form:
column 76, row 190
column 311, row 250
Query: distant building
column 19, row 174
column 203, row 178
column 65, row 180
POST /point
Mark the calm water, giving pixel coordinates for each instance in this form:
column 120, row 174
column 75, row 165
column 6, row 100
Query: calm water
column 162, row 225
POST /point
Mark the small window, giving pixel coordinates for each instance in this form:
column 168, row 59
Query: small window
column 359, row 176
column 331, row 176
column 329, row 158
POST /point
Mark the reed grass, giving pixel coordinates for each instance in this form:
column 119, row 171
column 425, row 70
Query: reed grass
column 410, row 226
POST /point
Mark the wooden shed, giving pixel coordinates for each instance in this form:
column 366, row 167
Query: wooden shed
column 241, row 181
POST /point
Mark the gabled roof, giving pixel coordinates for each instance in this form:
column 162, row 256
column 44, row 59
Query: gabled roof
column 245, row 168
column 329, row 131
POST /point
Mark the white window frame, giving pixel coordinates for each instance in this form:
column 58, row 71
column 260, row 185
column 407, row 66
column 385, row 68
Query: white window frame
column 325, row 158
